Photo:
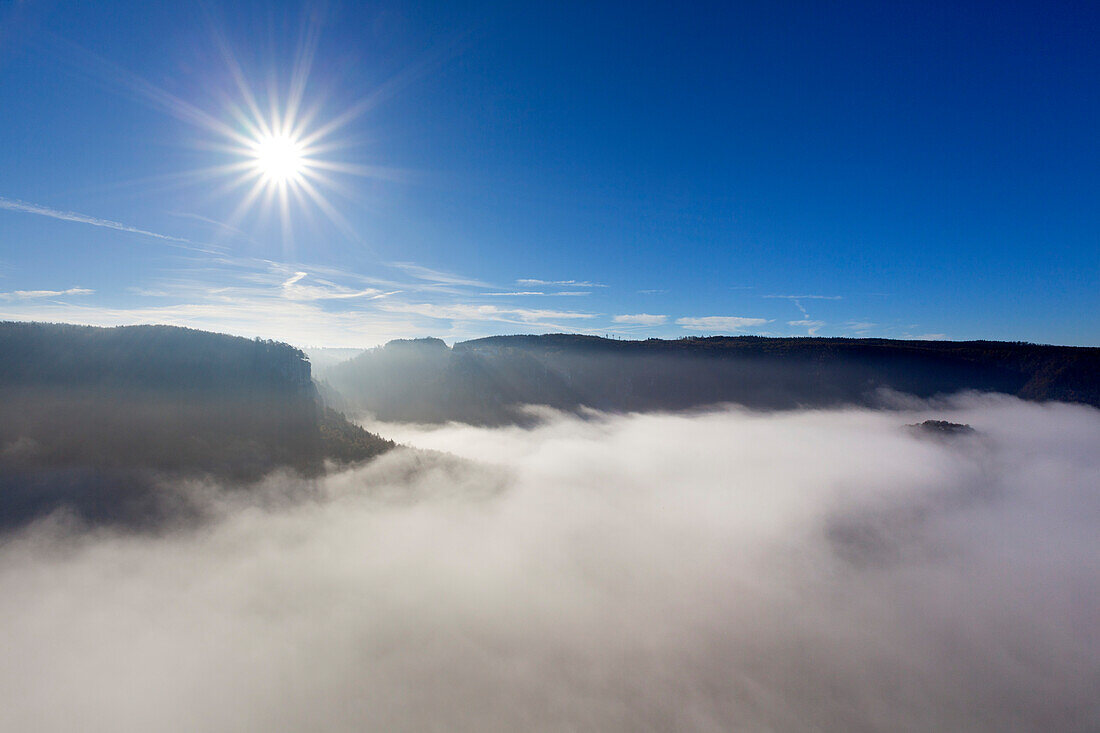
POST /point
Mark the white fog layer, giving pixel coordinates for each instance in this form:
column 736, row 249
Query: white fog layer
column 813, row 571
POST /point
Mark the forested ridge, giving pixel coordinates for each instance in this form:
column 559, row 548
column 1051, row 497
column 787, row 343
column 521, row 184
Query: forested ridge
column 161, row 357
column 95, row 418
column 485, row 379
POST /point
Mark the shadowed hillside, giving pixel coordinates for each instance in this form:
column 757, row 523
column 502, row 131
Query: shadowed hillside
column 93, row 418
column 482, row 381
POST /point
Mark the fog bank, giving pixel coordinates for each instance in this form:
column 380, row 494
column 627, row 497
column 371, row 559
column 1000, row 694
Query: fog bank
column 809, row 571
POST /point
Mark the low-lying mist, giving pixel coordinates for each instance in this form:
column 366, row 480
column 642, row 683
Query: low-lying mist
column 803, row 571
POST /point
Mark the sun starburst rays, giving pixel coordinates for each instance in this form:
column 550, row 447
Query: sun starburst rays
column 281, row 162
column 273, row 148
column 284, row 144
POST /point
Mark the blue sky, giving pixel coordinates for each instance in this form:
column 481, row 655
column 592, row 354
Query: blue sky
column 639, row 169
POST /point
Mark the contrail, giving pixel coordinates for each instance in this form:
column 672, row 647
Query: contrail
column 797, row 300
column 28, row 208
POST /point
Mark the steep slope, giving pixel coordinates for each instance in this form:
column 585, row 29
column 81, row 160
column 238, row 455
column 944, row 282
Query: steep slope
column 93, row 417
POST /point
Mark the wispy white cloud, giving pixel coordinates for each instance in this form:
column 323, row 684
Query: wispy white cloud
column 559, row 283
column 640, row 319
column 29, row 208
column 805, row 297
column 219, row 225
column 539, row 293
column 797, row 300
column 31, row 294
column 652, row 292
column 333, row 292
column 323, row 305
column 246, row 297
column 247, row 278
column 252, row 314
column 307, row 304
column 476, row 312
column 811, row 327
column 720, row 323
column 437, row 276
column 326, row 289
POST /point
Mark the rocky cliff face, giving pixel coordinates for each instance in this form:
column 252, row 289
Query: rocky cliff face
column 91, row 410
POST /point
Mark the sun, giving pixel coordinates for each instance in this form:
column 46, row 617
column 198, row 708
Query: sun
column 279, row 159
column 281, row 146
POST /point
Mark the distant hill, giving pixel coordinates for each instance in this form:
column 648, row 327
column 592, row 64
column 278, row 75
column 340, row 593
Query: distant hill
column 484, row 380
column 321, row 359
column 93, row 417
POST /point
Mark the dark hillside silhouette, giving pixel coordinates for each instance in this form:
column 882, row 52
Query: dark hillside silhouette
column 94, row 418
column 484, row 380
